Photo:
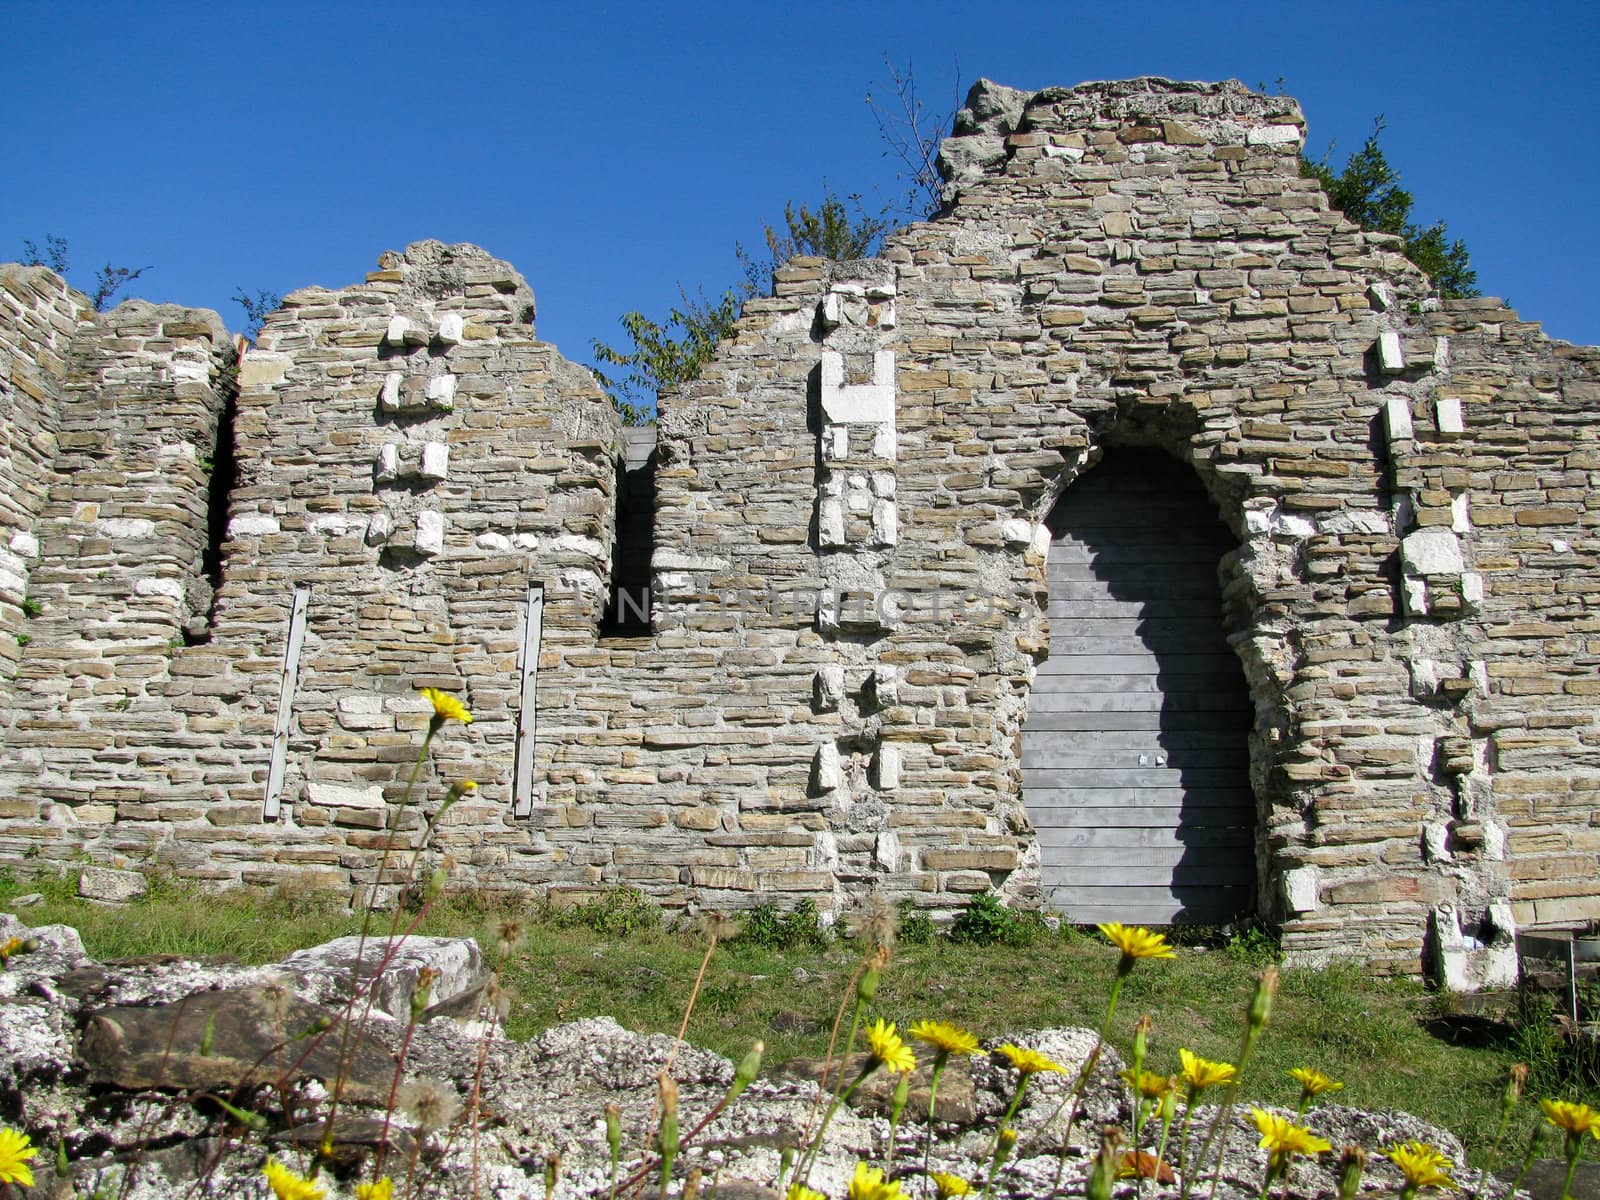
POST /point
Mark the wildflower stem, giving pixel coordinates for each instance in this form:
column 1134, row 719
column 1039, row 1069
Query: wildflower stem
column 1169, row 1109
column 1070, row 1102
column 940, row 1057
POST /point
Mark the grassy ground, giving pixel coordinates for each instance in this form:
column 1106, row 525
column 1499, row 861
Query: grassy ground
column 1384, row 1039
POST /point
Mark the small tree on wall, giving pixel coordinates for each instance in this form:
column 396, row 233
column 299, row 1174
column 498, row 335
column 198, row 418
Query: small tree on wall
column 1367, row 189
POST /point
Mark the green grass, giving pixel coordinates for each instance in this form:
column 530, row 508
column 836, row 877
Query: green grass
column 617, row 959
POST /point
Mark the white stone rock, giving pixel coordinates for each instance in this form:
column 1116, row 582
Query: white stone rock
column 1414, row 595
column 886, row 765
column 396, row 332
column 442, row 392
column 127, row 527
column 1292, row 527
column 1390, row 356
column 1382, row 296
column 344, row 795
column 170, row 588
column 435, row 461
column 334, row 524
column 830, row 522
column 451, row 328
column 885, row 685
column 1300, row 889
column 825, row 771
column 327, row 971
column 1447, row 415
column 829, row 687
column 1016, row 531
column 829, row 312
column 430, row 532
column 882, row 315
column 252, row 525
column 379, row 528
column 886, row 850
column 1461, row 513
column 1273, row 135
column 260, row 370
column 361, row 702
column 498, row 542
column 861, row 403
column 386, row 467
column 886, row 522
column 1397, row 419
column 389, row 398
column 1472, row 589
column 1431, row 551
column 111, row 886
column 885, row 442
column 24, row 544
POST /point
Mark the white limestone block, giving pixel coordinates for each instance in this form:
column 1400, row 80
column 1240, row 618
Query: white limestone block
column 260, row 370
column 1472, row 590
column 337, row 795
column 1016, row 531
column 1292, row 526
column 430, row 532
column 379, row 528
column 1382, row 296
column 886, row 765
column 386, row 466
column 825, row 770
column 1431, row 551
column 1414, row 595
column 860, row 403
column 362, row 702
column 830, row 522
column 829, row 313
column 886, row 850
column 885, row 685
column 451, row 326
column 442, row 392
column 577, row 543
column 24, row 544
column 882, row 315
column 1258, row 518
column 884, row 442
column 1436, row 842
column 172, row 589
column 1040, row 542
column 395, row 334
column 117, row 528
column 886, row 522
column 389, row 398
column 498, row 542
column 1390, row 356
column 1441, row 353
column 435, row 461
column 829, row 687
column 1273, row 135
column 836, row 443
column 252, row 526
column 1397, row 419
column 1300, row 889
column 883, row 483
column 880, row 291
column 1461, row 513
column 1448, row 416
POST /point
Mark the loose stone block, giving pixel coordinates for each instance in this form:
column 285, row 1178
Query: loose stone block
column 111, row 886
column 1397, row 419
column 451, row 327
column 435, row 464
column 1390, row 356
column 430, row 532
column 826, row 773
column 1447, row 415
column 828, row 687
column 386, row 467
column 441, row 392
column 886, row 768
column 389, row 398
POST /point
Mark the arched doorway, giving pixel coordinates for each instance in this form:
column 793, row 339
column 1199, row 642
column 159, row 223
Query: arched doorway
column 1135, row 757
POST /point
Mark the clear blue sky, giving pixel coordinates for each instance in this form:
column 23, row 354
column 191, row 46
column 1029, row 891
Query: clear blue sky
column 613, row 150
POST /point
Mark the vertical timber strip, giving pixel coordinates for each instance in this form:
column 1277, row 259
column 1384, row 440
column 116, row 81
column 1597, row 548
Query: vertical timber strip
column 280, row 734
column 528, row 710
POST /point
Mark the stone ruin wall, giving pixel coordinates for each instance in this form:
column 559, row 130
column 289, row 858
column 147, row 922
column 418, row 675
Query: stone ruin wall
column 1125, row 264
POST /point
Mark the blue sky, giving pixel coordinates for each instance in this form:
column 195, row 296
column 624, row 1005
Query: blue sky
column 613, row 150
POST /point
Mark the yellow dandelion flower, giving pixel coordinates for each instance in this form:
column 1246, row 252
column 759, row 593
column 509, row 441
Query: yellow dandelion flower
column 15, row 1151
column 1200, row 1073
column 1281, row 1137
column 945, row 1037
column 1313, row 1083
column 799, row 1191
column 1029, row 1062
column 1421, row 1165
column 1576, row 1119
column 950, row 1185
column 445, row 706
column 1137, row 942
column 868, row 1183
column 887, row 1049
column 378, row 1189
column 286, row 1185
column 1148, row 1084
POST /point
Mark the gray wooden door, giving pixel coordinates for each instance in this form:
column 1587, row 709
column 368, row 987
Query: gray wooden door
column 1135, row 761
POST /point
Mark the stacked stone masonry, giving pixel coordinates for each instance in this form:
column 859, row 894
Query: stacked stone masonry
column 849, row 557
